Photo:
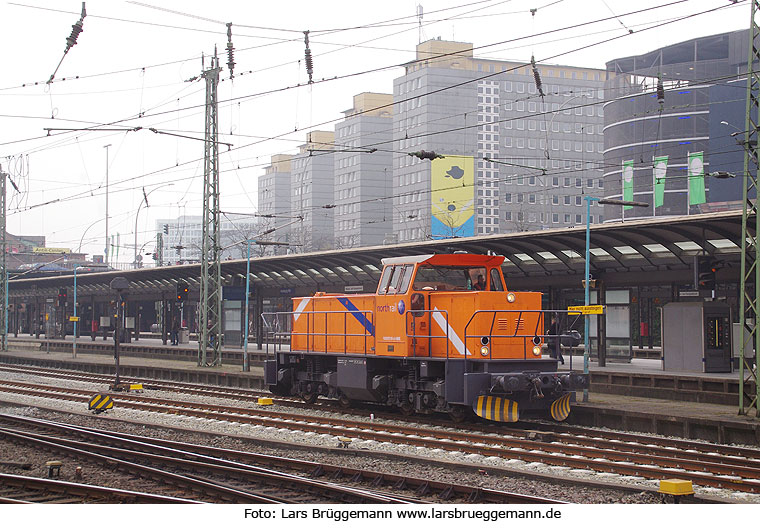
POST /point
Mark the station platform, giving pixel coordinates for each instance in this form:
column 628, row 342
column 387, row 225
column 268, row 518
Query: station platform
column 635, row 396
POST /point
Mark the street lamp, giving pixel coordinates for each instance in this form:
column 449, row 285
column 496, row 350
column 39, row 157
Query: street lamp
column 81, row 240
column 587, row 276
column 137, row 215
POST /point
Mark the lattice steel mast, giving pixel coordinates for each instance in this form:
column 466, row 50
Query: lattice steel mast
column 210, row 306
column 749, row 307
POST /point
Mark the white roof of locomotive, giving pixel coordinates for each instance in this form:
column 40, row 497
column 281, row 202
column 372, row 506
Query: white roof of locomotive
column 411, row 259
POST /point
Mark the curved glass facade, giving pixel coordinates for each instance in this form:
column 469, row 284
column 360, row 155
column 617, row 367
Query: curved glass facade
column 670, row 141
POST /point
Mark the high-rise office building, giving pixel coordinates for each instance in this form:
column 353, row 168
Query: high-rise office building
column 363, row 172
column 274, row 203
column 514, row 159
column 313, row 193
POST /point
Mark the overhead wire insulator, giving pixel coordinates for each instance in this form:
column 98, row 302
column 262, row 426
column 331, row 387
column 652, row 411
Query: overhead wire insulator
column 660, row 91
column 76, row 29
column 536, row 76
column 230, row 50
column 424, row 154
column 307, row 54
column 71, row 40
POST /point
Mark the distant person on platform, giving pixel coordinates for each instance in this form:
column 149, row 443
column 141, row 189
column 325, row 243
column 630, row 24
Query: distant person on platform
column 175, row 331
column 553, row 342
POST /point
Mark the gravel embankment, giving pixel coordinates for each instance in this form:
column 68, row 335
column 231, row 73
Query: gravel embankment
column 224, row 434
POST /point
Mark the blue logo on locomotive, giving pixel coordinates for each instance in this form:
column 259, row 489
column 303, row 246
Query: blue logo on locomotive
column 401, row 307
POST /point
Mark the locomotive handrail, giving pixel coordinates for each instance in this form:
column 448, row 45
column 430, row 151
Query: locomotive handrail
column 309, row 334
column 525, row 336
column 429, row 335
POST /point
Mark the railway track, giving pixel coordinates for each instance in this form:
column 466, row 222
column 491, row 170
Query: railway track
column 213, row 460
column 734, row 468
column 19, row 489
column 211, row 478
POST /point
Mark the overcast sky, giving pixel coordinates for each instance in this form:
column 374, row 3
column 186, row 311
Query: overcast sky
column 132, row 65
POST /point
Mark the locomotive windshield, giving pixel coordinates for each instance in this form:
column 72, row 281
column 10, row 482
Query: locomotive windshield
column 450, row 278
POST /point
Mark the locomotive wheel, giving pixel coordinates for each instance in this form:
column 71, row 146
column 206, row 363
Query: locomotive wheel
column 458, row 413
column 344, row 402
column 309, row 397
column 406, row 409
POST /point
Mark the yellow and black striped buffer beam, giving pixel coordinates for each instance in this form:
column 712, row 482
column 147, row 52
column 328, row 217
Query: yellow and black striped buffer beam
column 496, row 409
column 560, row 408
column 101, row 402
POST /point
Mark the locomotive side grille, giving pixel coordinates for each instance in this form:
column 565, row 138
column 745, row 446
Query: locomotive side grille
column 520, row 324
column 502, row 324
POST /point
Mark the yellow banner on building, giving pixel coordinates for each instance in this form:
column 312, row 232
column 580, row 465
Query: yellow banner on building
column 48, row 250
column 452, row 186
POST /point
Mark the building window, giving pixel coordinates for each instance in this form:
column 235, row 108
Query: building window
column 555, row 218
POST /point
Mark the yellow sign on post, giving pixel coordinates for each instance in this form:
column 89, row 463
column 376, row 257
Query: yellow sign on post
column 592, row 309
column 74, row 319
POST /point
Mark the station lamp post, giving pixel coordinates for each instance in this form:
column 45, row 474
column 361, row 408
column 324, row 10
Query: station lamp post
column 246, row 362
column 587, row 275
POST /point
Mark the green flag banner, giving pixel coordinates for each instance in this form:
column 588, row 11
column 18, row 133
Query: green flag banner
column 627, row 182
column 660, row 168
column 696, row 178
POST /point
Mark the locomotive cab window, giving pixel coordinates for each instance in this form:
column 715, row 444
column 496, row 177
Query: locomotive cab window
column 395, row 280
column 496, row 284
column 450, row 278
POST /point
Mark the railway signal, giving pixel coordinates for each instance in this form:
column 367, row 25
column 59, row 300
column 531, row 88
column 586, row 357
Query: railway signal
column 708, row 268
column 182, row 291
column 62, row 296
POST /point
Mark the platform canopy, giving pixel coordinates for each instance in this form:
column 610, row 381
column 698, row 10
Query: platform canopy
column 650, row 251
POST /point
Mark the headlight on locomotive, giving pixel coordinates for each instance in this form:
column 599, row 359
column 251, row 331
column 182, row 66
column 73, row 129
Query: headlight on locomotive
column 511, row 297
column 484, row 351
column 536, row 350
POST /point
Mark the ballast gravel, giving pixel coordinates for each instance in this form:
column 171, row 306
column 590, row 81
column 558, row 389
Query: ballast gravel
column 536, row 481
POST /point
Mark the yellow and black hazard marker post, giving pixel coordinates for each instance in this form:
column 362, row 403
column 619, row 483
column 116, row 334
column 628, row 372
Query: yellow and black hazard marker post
column 496, row 409
column 560, row 408
column 100, row 403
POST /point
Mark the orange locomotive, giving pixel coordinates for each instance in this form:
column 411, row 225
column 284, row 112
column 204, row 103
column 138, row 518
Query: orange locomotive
column 441, row 334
